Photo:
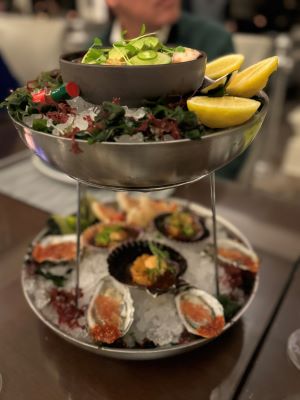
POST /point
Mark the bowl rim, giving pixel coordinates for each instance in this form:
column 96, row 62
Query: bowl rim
column 63, row 60
column 220, row 132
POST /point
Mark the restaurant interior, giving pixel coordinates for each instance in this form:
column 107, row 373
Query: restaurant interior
column 150, row 199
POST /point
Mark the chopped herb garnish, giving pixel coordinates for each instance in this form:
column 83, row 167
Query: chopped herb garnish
column 58, row 280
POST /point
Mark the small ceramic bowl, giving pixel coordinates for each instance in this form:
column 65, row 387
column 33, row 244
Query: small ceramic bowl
column 134, row 83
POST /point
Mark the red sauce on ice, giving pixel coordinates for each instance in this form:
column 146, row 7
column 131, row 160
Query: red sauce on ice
column 57, row 252
column 64, row 304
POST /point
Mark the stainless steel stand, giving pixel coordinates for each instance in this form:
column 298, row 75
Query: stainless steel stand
column 78, row 233
column 212, row 179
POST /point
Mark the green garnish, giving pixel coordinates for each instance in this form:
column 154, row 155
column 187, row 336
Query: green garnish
column 103, row 238
column 61, row 225
column 158, row 252
column 230, row 306
column 58, row 280
column 145, row 47
column 184, row 224
column 40, row 125
column 162, row 257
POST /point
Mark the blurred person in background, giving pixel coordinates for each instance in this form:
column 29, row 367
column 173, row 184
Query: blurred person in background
column 214, row 9
column 171, row 24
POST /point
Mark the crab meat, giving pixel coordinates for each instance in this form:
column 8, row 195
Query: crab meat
column 146, row 209
column 107, row 213
column 126, row 202
column 187, row 55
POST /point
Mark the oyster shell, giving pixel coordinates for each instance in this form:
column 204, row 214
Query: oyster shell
column 112, row 235
column 110, row 312
column 184, row 226
column 122, row 259
column 200, row 312
column 236, row 254
column 55, row 249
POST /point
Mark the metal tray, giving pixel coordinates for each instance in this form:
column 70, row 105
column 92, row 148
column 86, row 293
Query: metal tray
column 144, row 166
column 147, row 354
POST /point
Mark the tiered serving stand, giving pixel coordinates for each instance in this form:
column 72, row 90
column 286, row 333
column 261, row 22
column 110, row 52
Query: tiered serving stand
column 143, row 167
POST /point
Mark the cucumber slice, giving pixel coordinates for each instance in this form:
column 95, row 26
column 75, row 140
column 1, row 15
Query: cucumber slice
column 161, row 58
column 147, row 55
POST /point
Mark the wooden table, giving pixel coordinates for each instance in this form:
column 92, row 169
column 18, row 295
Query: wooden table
column 35, row 364
column 273, row 372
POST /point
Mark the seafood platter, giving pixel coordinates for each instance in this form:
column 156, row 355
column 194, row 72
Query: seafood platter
column 147, row 277
column 140, row 278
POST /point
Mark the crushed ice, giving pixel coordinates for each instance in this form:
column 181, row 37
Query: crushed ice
column 155, row 319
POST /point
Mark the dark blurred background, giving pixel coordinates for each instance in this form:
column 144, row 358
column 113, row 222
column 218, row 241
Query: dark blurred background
column 35, row 32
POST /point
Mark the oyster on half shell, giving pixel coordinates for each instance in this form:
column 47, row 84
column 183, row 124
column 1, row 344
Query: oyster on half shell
column 110, row 312
column 55, row 249
column 200, row 312
column 234, row 253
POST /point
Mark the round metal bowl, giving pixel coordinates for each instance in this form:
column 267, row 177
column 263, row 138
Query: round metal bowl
column 132, row 84
column 144, row 166
column 144, row 354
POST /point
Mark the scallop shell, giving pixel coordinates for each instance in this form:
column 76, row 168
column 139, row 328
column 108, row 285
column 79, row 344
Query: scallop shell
column 201, row 235
column 104, row 326
column 191, row 301
column 227, row 244
column 121, row 259
column 51, row 240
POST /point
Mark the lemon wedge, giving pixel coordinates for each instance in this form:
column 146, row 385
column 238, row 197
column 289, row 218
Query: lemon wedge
column 249, row 82
column 224, row 65
column 222, row 112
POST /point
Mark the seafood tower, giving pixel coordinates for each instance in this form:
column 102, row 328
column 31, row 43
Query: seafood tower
column 140, row 278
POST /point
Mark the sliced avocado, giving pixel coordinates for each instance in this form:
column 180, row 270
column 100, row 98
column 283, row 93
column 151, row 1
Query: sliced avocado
column 159, row 59
column 147, row 43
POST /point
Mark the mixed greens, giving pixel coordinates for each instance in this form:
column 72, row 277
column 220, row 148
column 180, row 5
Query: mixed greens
column 65, row 225
column 164, row 119
column 143, row 50
column 163, row 262
column 109, row 234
